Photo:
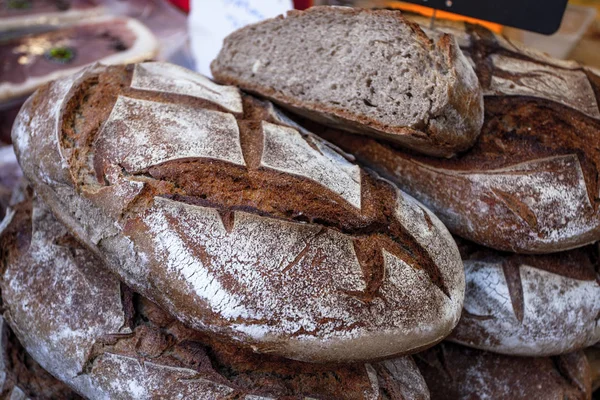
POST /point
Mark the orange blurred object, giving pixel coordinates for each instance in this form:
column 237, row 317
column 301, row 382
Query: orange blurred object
column 428, row 12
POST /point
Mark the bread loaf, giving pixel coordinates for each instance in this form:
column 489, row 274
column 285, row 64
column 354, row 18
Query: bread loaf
column 454, row 372
column 106, row 341
column 366, row 71
column 239, row 225
column 538, row 305
column 530, row 183
column 21, row 378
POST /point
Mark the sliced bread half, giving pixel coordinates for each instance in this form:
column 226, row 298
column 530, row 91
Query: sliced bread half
column 365, row 71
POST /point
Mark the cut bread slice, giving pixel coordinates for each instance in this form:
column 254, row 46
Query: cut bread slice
column 33, row 60
column 365, row 71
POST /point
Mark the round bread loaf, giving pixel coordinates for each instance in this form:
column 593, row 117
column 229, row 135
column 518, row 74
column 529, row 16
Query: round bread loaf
column 370, row 72
column 209, row 204
column 538, row 305
column 454, row 372
column 530, row 183
column 108, row 342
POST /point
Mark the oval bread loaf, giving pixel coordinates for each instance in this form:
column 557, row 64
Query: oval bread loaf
column 108, row 342
column 21, row 377
column 366, row 71
column 538, row 305
column 455, row 372
column 236, row 223
column 530, row 184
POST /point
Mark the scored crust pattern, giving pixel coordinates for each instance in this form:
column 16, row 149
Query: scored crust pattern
column 256, row 213
column 187, row 132
column 286, row 150
column 173, row 79
column 530, row 183
column 530, row 305
column 517, row 77
column 133, row 349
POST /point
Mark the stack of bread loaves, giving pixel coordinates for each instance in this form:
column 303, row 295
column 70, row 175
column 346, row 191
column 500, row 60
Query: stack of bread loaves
column 528, row 184
column 178, row 238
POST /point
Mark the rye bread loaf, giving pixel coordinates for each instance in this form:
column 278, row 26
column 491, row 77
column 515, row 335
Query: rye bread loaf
column 106, row 341
column 454, row 372
column 530, row 183
column 529, row 305
column 21, row 377
column 366, row 71
column 204, row 201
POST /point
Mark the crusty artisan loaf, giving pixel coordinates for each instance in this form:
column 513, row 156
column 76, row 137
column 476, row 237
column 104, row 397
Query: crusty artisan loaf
column 530, row 305
column 106, row 341
column 454, row 372
column 366, row 71
column 530, row 183
column 21, row 377
column 237, row 224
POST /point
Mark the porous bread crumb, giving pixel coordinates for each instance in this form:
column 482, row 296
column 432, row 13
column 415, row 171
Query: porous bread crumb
column 426, row 97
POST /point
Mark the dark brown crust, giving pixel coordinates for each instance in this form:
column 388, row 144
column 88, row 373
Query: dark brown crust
column 229, row 187
column 115, row 199
column 159, row 338
column 436, row 141
column 519, row 131
column 456, row 372
column 593, row 356
column 22, row 371
column 579, row 264
column 24, row 374
column 526, row 305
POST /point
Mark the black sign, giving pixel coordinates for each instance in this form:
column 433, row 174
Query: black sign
column 542, row 16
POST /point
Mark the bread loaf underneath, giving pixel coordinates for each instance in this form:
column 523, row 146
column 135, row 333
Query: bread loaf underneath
column 236, row 223
column 455, row 372
column 21, row 377
column 106, row 341
column 369, row 72
column 529, row 305
column 530, row 182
